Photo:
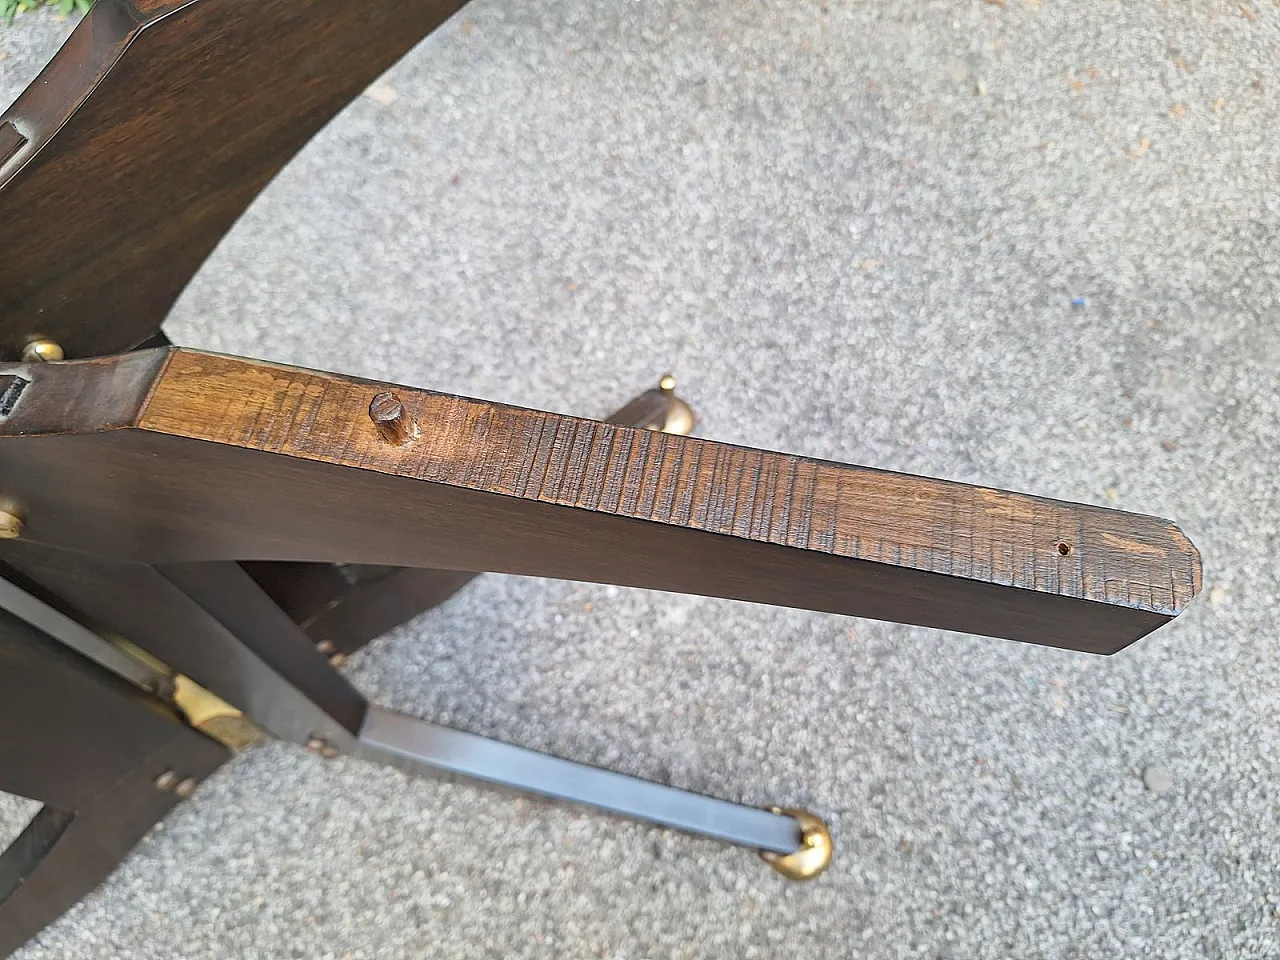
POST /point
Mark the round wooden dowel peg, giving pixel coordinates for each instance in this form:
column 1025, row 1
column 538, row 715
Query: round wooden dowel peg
column 395, row 424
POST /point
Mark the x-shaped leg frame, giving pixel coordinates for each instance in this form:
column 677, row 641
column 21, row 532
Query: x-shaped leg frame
column 199, row 461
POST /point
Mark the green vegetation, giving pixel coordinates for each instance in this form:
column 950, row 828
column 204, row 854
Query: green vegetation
column 11, row 8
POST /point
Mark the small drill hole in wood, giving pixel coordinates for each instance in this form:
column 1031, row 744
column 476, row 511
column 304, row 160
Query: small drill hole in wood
column 1064, row 548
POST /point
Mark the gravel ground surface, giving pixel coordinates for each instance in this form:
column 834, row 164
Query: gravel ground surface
column 853, row 230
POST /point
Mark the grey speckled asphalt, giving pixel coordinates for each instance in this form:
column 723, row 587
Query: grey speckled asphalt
column 853, row 230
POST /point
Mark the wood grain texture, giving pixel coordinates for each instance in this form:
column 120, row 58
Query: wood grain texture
column 236, row 459
column 147, row 136
column 344, row 606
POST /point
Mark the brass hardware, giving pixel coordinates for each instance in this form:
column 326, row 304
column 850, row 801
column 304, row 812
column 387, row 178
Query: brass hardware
column 10, row 525
column 394, row 423
column 325, row 646
column 41, row 351
column 198, row 704
column 205, row 711
column 322, row 747
column 811, row 857
column 182, row 788
column 679, row 418
column 213, row 716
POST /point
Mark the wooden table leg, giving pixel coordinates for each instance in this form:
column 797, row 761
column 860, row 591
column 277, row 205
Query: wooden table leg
column 92, row 749
column 209, row 622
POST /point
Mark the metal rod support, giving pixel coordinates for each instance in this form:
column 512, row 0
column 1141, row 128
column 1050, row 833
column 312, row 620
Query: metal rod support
column 79, row 638
column 404, row 741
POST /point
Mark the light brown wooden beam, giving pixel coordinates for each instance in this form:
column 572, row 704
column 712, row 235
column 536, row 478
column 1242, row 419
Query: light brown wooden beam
column 175, row 455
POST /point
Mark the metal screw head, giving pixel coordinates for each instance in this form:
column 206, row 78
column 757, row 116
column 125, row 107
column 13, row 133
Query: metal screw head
column 186, row 788
column 10, row 525
column 337, row 660
column 325, row 646
column 322, row 747
column 667, row 383
column 42, row 351
column 167, row 780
